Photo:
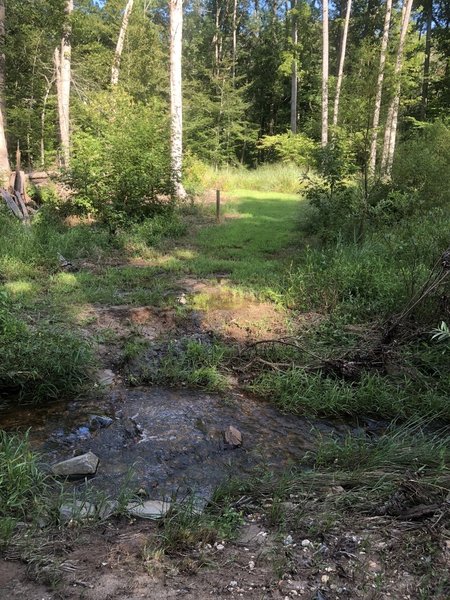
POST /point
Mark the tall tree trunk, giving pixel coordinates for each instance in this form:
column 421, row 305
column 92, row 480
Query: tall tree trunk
column 62, row 58
column 176, row 97
column 234, row 41
column 379, row 92
column 341, row 63
column 5, row 168
column 325, row 46
column 390, row 134
column 44, row 107
column 294, row 76
column 426, row 64
column 216, row 40
column 120, row 42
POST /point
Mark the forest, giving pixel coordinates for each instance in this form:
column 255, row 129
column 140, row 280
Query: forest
column 224, row 299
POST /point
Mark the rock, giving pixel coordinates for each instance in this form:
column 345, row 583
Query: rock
column 77, row 511
column 106, row 377
column 99, row 422
column 79, row 466
column 149, row 509
column 233, row 436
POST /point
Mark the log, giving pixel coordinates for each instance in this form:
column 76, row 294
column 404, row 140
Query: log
column 23, row 207
column 11, row 203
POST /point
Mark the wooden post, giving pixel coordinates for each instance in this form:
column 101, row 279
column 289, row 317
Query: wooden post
column 218, row 206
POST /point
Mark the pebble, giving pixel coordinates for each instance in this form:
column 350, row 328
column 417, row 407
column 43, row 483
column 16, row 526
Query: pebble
column 306, row 543
column 288, row 540
column 325, row 579
column 251, row 565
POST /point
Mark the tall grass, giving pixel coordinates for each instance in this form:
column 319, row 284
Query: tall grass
column 280, row 177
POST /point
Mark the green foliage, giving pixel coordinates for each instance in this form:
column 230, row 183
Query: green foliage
column 282, row 177
column 373, row 395
column 191, row 362
column 40, row 361
column 22, row 483
column 298, row 149
column 422, row 167
column 120, row 167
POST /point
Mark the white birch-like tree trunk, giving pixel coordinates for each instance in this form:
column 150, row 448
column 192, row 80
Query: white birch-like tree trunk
column 294, row 75
column 325, row 52
column 176, row 97
column 234, row 41
column 379, row 89
column 390, row 133
column 62, row 59
column 5, row 168
column 115, row 69
column 341, row 63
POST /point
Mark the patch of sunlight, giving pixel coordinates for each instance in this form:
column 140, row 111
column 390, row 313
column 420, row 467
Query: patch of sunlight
column 13, row 268
column 185, row 254
column 222, row 298
column 17, row 288
column 65, row 282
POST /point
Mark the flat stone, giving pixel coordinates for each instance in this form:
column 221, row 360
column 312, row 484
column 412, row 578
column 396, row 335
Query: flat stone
column 78, row 466
column 149, row 509
column 77, row 511
column 233, row 436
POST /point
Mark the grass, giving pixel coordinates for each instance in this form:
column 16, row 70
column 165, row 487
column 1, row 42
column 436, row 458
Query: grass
column 285, row 178
column 187, row 362
column 23, row 486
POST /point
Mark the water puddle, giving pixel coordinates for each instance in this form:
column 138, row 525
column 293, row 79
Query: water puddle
column 168, row 441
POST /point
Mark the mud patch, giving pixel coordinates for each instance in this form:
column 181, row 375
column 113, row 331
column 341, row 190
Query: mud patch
column 232, row 314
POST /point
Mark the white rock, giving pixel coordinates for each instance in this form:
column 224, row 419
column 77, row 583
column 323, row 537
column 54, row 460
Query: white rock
column 288, row 540
column 306, row 543
column 78, row 466
column 149, row 509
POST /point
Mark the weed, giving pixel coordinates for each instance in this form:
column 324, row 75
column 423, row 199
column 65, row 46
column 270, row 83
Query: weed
column 23, row 486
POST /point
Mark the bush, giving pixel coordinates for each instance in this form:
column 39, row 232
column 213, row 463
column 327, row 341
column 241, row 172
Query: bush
column 422, row 167
column 120, row 167
column 297, row 149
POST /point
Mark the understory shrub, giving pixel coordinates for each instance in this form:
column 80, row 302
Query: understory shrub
column 121, row 161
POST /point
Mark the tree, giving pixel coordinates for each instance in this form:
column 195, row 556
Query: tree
column 294, row 76
column 120, row 42
column 325, row 52
column 4, row 161
column 63, row 57
column 379, row 89
column 341, row 63
column 390, row 133
column 428, row 13
column 176, row 98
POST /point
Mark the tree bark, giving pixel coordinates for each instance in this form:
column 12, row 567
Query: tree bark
column 234, row 41
column 120, row 42
column 325, row 51
column 294, row 76
column 341, row 63
column 379, row 90
column 5, row 168
column 176, row 98
column 62, row 59
column 390, row 135
column 426, row 64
